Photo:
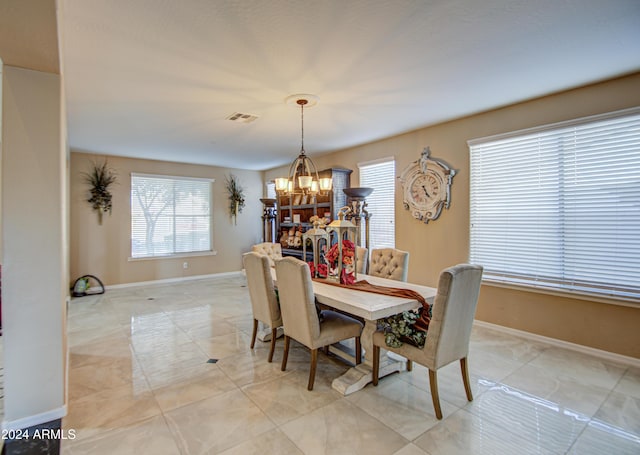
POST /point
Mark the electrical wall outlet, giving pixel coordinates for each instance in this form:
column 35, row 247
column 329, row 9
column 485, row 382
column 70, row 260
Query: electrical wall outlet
column 185, row 265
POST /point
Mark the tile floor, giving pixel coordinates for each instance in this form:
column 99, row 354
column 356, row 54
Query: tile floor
column 139, row 383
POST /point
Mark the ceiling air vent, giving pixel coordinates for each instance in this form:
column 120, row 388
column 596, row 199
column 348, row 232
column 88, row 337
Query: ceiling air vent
column 239, row 117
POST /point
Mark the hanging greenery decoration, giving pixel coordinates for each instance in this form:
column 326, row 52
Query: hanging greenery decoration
column 400, row 328
column 100, row 178
column 236, row 197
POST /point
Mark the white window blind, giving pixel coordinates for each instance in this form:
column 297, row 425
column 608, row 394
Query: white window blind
column 380, row 175
column 559, row 207
column 169, row 215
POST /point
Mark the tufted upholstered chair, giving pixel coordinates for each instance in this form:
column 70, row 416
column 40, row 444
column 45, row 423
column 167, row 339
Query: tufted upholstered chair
column 449, row 330
column 264, row 301
column 363, row 259
column 272, row 250
column 300, row 318
column 389, row 263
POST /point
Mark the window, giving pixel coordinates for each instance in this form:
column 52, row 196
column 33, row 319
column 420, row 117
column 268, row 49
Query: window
column 559, row 206
column 169, row 215
column 380, row 175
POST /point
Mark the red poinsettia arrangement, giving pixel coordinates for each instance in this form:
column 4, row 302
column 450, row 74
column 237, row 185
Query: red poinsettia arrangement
column 323, row 270
column 347, row 271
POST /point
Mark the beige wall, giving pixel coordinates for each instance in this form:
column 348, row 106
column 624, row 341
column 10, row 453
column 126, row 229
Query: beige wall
column 104, row 250
column 445, row 242
column 34, row 275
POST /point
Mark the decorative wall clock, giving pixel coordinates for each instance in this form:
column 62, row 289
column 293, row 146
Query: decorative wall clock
column 426, row 185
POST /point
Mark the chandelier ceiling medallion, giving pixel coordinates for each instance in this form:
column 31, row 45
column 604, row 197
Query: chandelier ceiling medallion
column 303, row 176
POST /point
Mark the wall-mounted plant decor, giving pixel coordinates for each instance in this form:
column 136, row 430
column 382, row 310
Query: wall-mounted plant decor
column 100, row 178
column 236, row 197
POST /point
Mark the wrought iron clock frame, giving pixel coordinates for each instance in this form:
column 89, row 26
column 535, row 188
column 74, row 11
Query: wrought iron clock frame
column 426, row 185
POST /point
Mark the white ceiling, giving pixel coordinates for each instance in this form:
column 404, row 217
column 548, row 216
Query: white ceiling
column 157, row 78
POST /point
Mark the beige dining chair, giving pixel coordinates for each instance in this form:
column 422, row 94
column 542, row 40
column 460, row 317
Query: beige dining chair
column 389, row 263
column 300, row 318
column 264, row 301
column 363, row 259
column 272, row 250
column 449, row 330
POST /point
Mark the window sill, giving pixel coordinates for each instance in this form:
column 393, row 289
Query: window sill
column 174, row 256
column 578, row 295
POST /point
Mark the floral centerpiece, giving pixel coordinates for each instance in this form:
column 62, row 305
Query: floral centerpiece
column 323, row 270
column 346, row 270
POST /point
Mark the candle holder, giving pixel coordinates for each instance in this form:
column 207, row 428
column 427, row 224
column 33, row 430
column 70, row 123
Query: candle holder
column 319, row 240
column 357, row 213
column 341, row 257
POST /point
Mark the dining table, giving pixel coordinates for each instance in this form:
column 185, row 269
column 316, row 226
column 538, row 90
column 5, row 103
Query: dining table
column 370, row 307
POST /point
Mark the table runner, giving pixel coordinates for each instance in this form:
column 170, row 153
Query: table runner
column 421, row 324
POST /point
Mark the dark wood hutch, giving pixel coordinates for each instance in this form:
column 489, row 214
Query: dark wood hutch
column 292, row 207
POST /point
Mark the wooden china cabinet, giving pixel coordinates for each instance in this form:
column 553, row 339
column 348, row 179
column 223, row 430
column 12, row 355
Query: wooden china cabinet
column 294, row 211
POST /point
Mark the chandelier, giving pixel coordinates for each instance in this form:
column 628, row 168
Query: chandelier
column 303, row 176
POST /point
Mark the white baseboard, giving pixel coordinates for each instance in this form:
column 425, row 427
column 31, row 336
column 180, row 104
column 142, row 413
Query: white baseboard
column 37, row 419
column 171, row 280
column 611, row 356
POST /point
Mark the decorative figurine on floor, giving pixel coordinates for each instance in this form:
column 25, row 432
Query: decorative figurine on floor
column 87, row 285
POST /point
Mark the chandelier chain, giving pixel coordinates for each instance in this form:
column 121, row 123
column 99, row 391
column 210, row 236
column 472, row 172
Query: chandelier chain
column 302, row 103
